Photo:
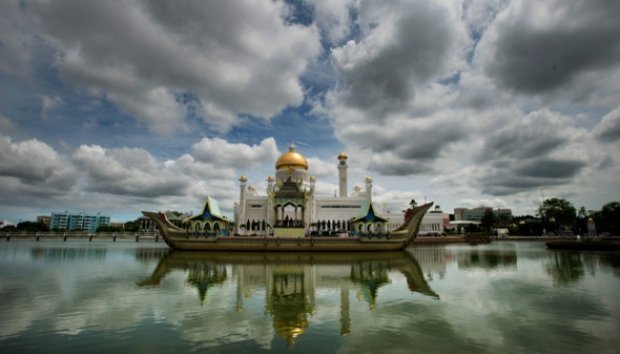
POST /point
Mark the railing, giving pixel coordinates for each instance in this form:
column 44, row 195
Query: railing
column 61, row 234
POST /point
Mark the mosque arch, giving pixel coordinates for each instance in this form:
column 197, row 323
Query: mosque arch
column 216, row 228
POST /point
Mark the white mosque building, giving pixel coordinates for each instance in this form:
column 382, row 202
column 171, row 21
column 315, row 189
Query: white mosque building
column 291, row 206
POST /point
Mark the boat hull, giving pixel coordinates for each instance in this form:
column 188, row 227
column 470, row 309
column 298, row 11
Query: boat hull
column 181, row 239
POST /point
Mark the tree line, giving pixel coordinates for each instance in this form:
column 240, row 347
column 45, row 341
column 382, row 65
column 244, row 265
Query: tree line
column 555, row 216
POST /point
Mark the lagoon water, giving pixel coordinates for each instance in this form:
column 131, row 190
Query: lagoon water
column 102, row 297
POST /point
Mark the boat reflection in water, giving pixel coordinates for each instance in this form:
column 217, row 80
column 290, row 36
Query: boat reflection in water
column 290, row 280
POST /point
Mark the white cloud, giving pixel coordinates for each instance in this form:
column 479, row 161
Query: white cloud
column 32, row 174
column 333, row 18
column 322, row 169
column 49, row 103
column 141, row 55
column 30, row 161
column 127, row 172
column 6, row 125
column 220, row 152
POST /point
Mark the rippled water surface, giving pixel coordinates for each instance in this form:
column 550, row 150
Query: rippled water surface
column 72, row 297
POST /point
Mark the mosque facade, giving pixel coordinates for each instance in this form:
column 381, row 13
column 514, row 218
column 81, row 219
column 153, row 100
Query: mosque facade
column 291, row 206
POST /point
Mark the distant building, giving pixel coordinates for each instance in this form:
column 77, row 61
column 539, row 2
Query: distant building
column 44, row 219
column 78, row 221
column 476, row 214
column 117, row 225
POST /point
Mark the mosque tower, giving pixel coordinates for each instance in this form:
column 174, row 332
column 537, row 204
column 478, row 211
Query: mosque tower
column 242, row 187
column 342, row 174
column 369, row 189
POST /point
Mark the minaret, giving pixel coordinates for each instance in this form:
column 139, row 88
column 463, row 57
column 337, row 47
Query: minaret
column 369, row 188
column 268, row 217
column 270, row 180
column 342, row 174
column 242, row 188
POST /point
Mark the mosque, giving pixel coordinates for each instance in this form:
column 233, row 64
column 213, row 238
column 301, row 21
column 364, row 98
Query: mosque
column 291, row 207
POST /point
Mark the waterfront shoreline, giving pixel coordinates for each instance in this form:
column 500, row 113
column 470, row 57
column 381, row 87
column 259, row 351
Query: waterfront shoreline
column 420, row 240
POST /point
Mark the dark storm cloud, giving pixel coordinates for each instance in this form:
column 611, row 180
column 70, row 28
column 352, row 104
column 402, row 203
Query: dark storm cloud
column 509, row 177
column 428, row 143
column 409, row 148
column 505, row 183
column 392, row 166
column 521, row 142
column 417, row 53
column 549, row 168
column 536, row 50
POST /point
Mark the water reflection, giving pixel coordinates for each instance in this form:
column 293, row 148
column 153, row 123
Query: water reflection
column 565, row 268
column 290, row 281
column 61, row 254
column 488, row 259
column 89, row 252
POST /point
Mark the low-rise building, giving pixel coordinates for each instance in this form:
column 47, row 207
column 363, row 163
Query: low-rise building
column 77, row 221
column 44, row 219
column 476, row 214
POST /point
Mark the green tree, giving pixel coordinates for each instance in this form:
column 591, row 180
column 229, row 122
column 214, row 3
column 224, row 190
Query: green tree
column 488, row 220
column 608, row 218
column 132, row 226
column 32, row 226
column 558, row 213
column 108, row 228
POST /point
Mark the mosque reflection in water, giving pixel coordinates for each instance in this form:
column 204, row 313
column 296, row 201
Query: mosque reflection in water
column 290, row 281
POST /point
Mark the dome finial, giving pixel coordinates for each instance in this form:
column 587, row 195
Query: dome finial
column 291, row 148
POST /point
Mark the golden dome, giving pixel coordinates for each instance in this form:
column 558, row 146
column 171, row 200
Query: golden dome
column 292, row 159
column 342, row 156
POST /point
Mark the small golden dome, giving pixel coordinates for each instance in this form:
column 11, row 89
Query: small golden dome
column 243, row 179
column 342, row 156
column 292, row 159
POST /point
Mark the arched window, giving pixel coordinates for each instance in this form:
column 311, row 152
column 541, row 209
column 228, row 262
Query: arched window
column 216, row 229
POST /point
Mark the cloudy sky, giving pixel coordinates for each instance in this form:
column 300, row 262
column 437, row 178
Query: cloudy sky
column 129, row 105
